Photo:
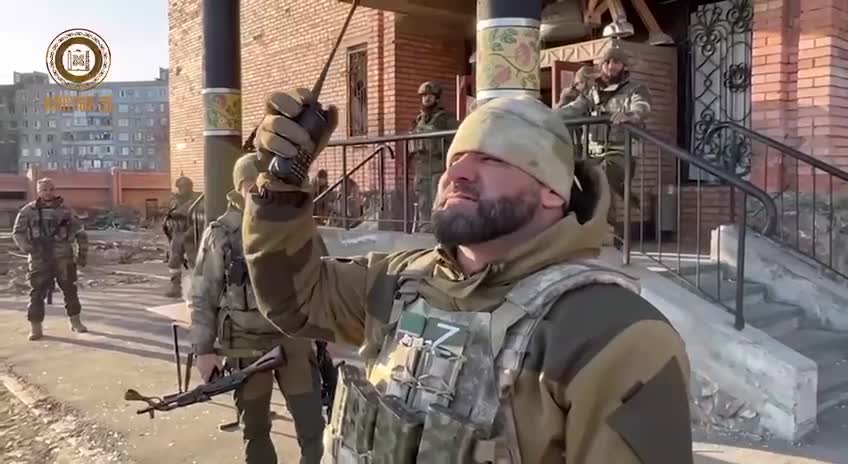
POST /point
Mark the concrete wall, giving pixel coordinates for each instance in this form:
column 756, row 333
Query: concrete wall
column 790, row 277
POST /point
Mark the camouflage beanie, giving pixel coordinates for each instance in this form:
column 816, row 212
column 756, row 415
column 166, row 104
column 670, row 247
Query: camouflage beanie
column 245, row 168
column 525, row 133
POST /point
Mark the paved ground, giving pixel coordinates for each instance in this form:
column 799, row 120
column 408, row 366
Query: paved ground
column 83, row 377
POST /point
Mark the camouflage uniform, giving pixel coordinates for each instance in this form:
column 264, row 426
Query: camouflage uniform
column 46, row 231
column 584, row 81
column 429, row 155
column 606, row 144
column 224, row 319
column 543, row 356
column 179, row 228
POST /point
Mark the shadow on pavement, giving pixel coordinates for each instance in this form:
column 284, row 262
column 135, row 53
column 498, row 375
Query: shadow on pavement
column 111, row 347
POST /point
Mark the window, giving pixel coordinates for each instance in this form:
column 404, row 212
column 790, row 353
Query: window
column 163, row 92
column 123, row 108
column 24, row 152
column 52, row 165
column 148, row 107
column 137, row 164
column 137, row 151
column 91, row 150
column 151, row 151
column 80, row 150
column 66, row 150
column 37, row 152
column 51, row 123
column 26, row 123
column 125, row 164
column 138, row 137
column 67, row 164
column 26, row 166
column 67, row 123
column 107, row 149
column 80, row 121
column 125, row 151
column 38, row 137
column 161, row 107
column 357, row 91
column 136, row 108
column 151, row 165
column 24, row 138
column 51, row 152
column 149, row 122
column 37, row 124
column 163, row 122
column 50, row 137
column 124, row 137
column 123, row 122
column 97, row 164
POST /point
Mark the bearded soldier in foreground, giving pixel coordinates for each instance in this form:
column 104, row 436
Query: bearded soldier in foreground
column 506, row 342
column 224, row 319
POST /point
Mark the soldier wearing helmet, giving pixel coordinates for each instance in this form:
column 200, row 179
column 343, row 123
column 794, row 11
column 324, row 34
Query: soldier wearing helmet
column 181, row 238
column 429, row 155
column 625, row 101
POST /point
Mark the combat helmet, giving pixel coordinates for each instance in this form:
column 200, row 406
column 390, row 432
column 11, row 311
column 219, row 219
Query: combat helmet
column 431, row 88
column 617, row 54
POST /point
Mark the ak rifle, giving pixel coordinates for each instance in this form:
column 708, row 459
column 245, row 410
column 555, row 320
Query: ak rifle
column 202, row 393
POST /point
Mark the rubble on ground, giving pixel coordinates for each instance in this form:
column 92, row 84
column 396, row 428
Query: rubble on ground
column 714, row 410
column 110, row 250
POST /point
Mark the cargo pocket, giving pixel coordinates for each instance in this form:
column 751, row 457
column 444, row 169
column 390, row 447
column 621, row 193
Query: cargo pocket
column 654, row 419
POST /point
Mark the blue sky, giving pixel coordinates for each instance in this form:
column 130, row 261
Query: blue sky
column 136, row 31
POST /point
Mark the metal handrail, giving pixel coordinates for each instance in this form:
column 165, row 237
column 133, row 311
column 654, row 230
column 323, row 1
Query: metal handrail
column 741, row 184
column 792, row 152
column 389, row 138
column 355, row 168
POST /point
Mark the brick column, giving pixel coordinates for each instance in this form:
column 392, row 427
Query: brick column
column 774, row 85
column 823, row 80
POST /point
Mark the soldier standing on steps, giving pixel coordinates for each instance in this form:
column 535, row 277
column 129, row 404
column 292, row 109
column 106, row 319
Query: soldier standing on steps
column 46, row 231
column 224, row 315
column 505, row 343
column 625, row 100
column 178, row 228
column 429, row 155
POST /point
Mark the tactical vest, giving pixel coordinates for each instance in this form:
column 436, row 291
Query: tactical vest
column 242, row 330
column 438, row 390
column 602, row 138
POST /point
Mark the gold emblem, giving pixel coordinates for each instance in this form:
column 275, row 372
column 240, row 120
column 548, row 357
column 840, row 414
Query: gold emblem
column 78, row 59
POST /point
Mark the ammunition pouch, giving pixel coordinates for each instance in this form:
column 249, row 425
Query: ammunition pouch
column 382, row 429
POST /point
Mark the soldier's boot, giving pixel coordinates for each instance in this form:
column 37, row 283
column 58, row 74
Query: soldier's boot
column 176, row 288
column 76, row 325
column 35, row 332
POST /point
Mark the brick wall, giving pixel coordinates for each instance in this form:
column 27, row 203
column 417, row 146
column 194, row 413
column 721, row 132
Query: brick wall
column 800, row 85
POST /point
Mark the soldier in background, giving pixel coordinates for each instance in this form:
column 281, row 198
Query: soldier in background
column 177, row 226
column 429, row 155
column 46, row 231
column 225, row 320
column 625, row 101
column 584, row 82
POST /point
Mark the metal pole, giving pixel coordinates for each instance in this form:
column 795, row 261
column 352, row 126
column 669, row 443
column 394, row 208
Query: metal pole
column 221, row 100
column 508, row 40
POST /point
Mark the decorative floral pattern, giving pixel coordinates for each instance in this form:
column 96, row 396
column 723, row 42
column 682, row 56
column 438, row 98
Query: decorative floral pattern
column 509, row 58
column 222, row 111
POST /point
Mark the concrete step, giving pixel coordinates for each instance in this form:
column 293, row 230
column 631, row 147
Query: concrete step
column 712, row 284
column 775, row 319
column 830, row 352
column 691, row 269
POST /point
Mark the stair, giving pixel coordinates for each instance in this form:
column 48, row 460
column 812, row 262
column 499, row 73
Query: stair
column 830, row 352
column 783, row 322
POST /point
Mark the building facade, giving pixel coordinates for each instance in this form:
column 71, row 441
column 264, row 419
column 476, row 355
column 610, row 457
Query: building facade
column 118, row 124
column 777, row 67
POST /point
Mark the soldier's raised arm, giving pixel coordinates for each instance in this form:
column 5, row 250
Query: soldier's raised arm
column 21, row 232
column 300, row 293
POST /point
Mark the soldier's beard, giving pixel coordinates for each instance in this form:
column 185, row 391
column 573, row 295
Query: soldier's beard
column 491, row 219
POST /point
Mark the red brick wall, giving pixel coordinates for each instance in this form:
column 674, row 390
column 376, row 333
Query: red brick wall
column 800, row 85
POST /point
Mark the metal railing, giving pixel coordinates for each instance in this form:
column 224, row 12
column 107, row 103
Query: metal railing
column 795, row 183
column 389, row 199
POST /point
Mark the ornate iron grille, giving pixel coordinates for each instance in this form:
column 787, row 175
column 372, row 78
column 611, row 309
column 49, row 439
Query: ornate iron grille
column 357, row 92
column 720, row 37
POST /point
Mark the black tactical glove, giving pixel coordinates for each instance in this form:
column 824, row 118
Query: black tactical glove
column 280, row 134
